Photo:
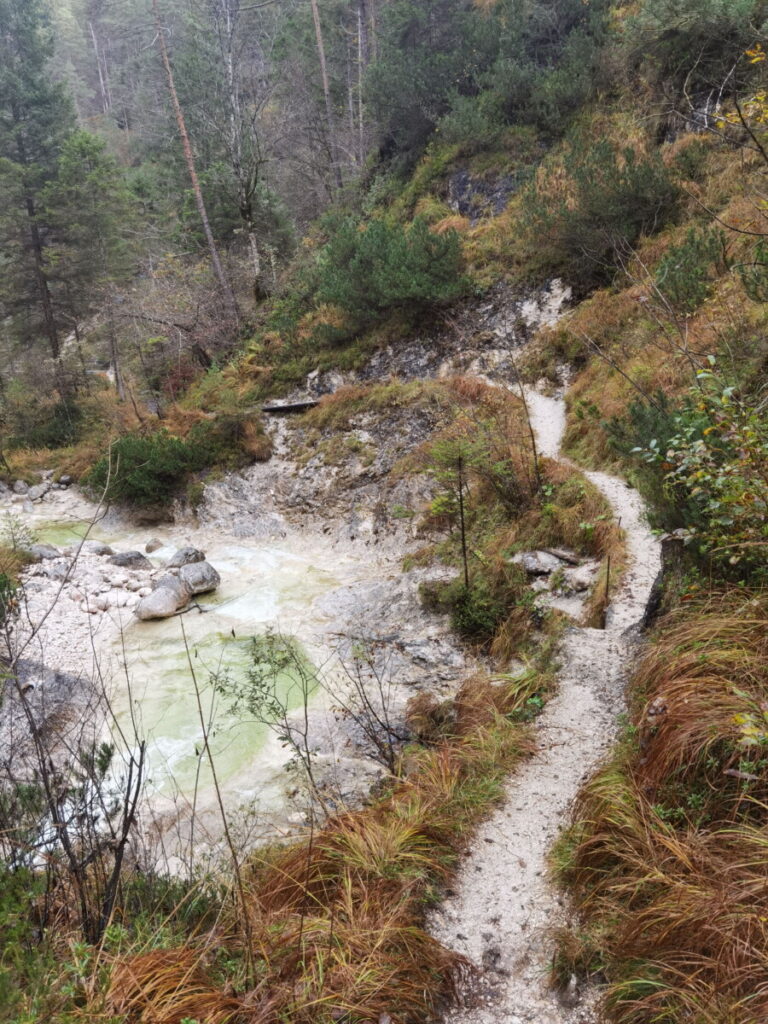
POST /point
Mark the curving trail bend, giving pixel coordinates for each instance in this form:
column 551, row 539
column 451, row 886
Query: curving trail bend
column 503, row 907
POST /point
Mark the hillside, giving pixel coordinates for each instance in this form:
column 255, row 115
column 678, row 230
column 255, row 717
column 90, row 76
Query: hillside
column 411, row 358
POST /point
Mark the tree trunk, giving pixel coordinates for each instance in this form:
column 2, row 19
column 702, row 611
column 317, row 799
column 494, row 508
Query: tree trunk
column 373, row 51
column 247, row 180
column 99, row 68
column 114, row 356
column 190, row 160
column 363, row 57
column 327, row 94
column 42, row 281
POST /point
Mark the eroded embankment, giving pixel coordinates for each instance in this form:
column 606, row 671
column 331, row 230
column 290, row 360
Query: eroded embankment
column 504, row 907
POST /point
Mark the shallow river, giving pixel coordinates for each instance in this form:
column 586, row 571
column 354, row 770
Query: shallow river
column 265, row 585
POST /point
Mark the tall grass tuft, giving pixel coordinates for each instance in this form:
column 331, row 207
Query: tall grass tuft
column 667, row 856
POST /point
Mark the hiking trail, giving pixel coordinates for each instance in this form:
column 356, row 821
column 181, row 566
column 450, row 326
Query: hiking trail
column 503, row 906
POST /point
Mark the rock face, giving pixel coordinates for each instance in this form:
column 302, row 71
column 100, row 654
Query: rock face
column 131, row 560
column 200, row 577
column 185, row 556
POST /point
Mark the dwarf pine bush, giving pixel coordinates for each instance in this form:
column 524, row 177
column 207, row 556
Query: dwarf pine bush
column 372, row 270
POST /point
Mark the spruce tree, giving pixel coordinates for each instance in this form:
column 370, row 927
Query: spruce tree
column 88, row 210
column 36, row 117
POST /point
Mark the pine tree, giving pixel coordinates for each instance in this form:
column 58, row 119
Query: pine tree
column 36, row 117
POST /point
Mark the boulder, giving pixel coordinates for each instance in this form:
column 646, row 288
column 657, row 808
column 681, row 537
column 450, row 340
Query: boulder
column 200, row 577
column 39, row 491
column 153, row 545
column 160, row 604
column 65, row 480
column 185, row 556
column 179, row 587
column 95, row 547
column 131, row 560
column 20, row 487
column 537, row 563
column 41, row 551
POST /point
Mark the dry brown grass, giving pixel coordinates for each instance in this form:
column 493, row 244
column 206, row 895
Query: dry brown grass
column 453, row 223
column 167, row 986
column 668, row 856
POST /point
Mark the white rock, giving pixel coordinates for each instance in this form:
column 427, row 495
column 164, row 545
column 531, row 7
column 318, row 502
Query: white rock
column 537, row 563
column 160, row 604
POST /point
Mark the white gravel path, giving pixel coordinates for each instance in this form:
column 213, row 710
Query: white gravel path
column 504, row 905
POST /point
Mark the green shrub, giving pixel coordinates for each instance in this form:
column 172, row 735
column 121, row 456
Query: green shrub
column 649, row 427
column 754, row 273
column 231, row 440
column 145, row 471
column 476, row 612
column 694, row 41
column 374, row 269
column 548, row 54
column 684, row 274
column 616, row 196
column 474, row 123
column 714, row 469
column 40, row 424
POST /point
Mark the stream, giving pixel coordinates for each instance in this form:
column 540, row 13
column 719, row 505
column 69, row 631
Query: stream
column 273, row 584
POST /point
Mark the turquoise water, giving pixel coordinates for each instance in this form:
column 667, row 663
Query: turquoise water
column 263, row 588
column 265, row 585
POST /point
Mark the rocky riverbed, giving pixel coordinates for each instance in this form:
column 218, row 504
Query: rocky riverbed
column 78, row 621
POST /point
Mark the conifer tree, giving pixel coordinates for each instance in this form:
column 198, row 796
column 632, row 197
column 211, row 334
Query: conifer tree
column 88, row 210
column 36, row 117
